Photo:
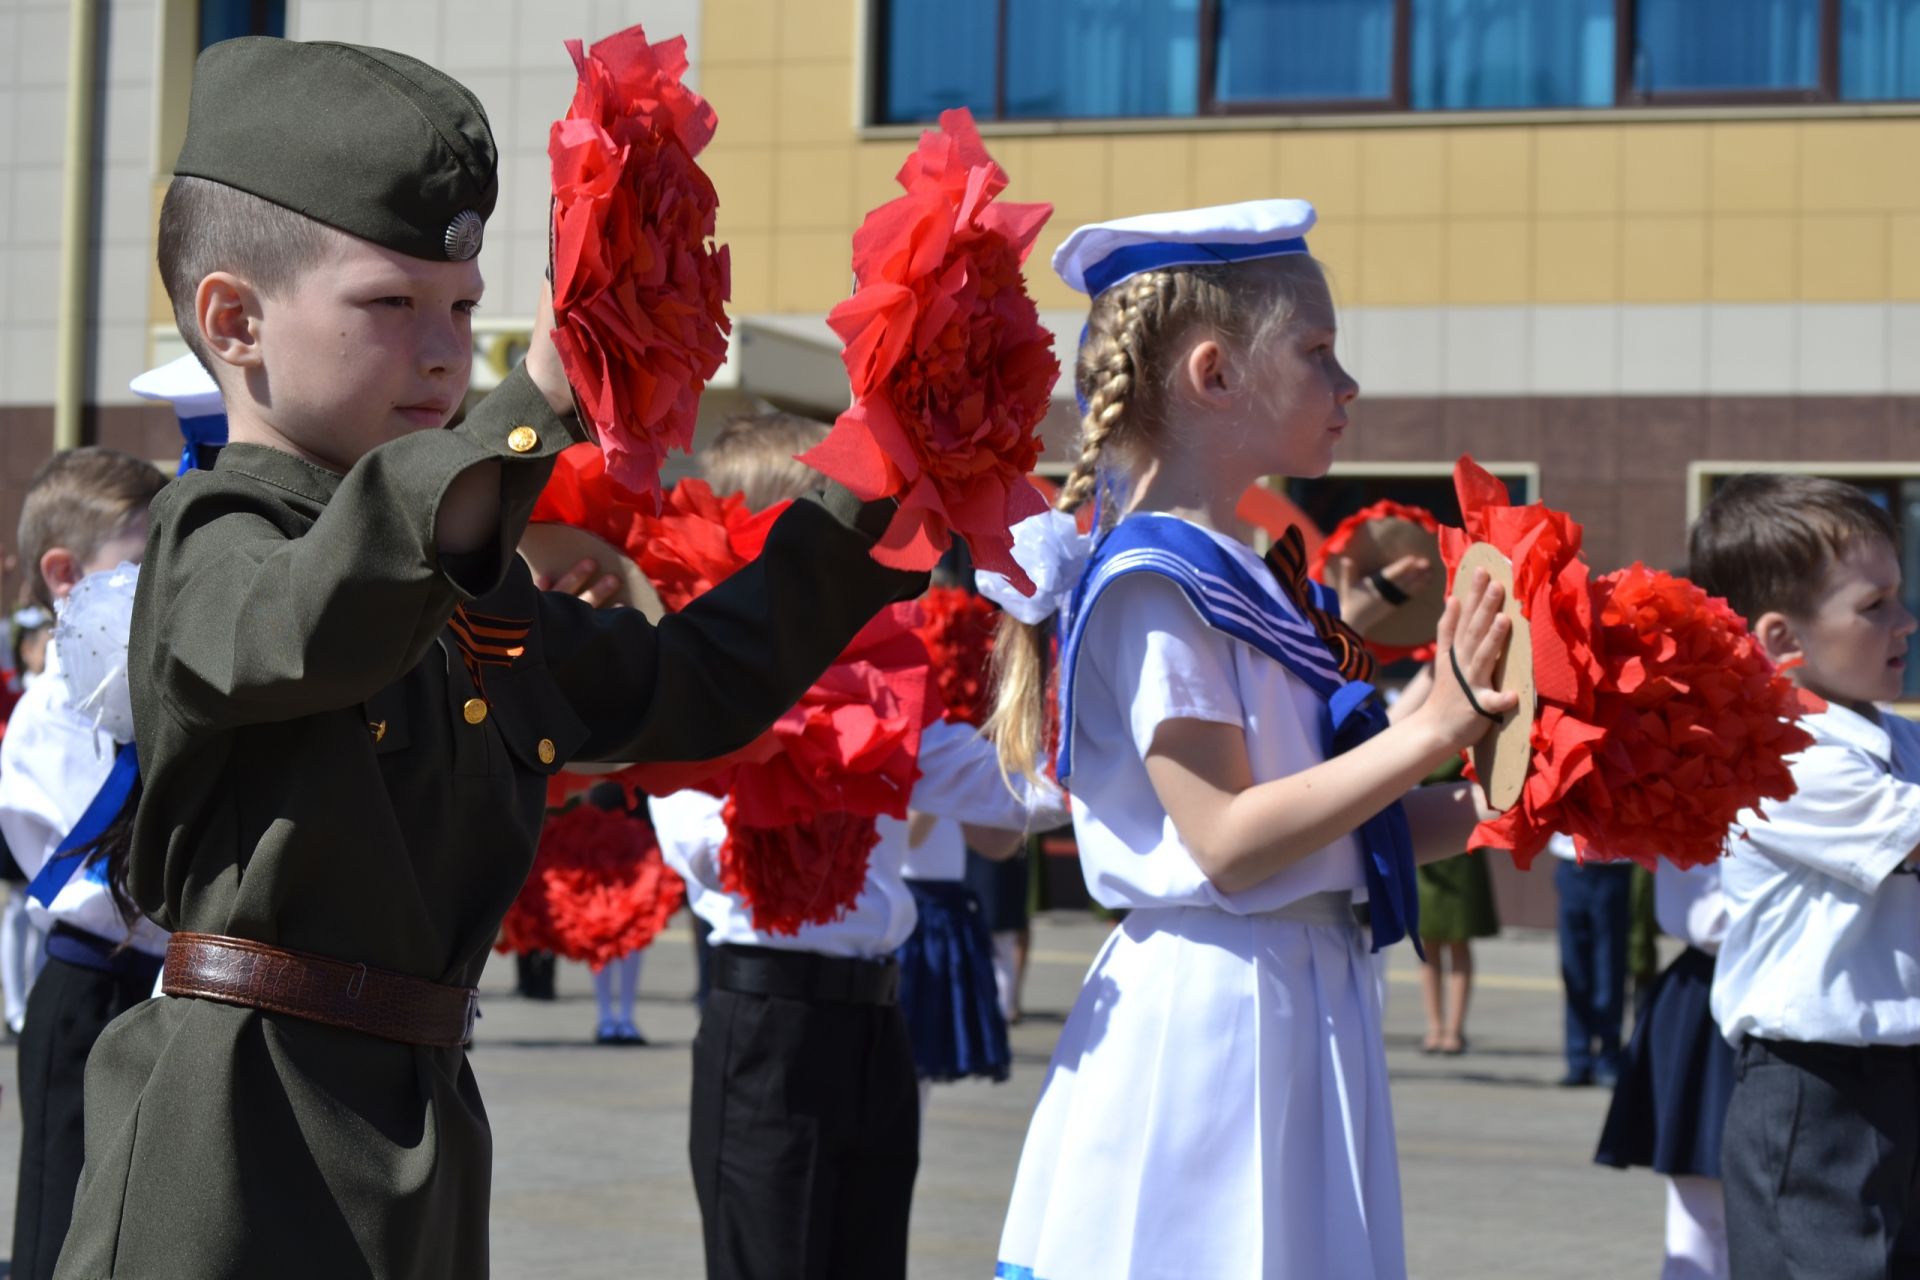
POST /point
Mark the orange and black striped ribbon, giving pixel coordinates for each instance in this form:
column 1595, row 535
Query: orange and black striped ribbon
column 1288, row 560
column 488, row 642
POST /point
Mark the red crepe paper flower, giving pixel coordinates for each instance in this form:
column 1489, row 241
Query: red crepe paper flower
column 699, row 540
column 579, row 493
column 806, row 872
column 598, row 890
column 952, row 370
column 1660, row 719
column 1337, row 542
column 639, row 288
column 958, row 631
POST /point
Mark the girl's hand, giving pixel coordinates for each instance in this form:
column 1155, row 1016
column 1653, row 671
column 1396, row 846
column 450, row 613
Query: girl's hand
column 581, row 580
column 543, row 360
column 1362, row 606
column 1475, row 631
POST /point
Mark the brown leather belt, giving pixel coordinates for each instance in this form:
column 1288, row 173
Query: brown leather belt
column 354, row 997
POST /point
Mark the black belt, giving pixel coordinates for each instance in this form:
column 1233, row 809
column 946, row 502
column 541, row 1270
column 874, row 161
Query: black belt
column 91, row 951
column 804, row 975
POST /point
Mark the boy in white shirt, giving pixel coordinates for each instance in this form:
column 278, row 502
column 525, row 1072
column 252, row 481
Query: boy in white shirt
column 1818, row 981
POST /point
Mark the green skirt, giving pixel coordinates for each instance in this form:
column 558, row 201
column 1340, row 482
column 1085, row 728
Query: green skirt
column 1456, row 900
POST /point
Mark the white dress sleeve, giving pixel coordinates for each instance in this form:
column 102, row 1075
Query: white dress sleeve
column 1150, row 650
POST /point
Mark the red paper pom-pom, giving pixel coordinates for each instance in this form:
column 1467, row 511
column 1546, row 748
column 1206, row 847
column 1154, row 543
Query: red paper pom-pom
column 1337, row 542
column 639, row 289
column 1660, row 719
column 952, row 370
column 579, row 493
column 958, row 630
column 699, row 540
column 810, row 871
column 598, row 889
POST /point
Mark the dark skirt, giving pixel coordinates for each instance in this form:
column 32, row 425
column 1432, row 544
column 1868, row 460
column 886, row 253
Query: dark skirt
column 947, row 992
column 1456, row 900
column 1002, row 889
column 1671, row 1103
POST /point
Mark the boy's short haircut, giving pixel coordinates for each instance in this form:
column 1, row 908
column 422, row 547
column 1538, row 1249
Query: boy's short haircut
column 1766, row 540
column 207, row 226
column 80, row 499
column 754, row 456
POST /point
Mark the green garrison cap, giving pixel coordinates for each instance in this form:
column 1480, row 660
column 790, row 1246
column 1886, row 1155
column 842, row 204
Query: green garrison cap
column 372, row 142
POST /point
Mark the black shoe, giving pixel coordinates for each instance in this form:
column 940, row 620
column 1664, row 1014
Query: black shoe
column 1576, row 1079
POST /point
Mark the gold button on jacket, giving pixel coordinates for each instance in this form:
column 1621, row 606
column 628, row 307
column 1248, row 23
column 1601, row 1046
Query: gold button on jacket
column 475, row 710
column 523, row 439
column 546, row 751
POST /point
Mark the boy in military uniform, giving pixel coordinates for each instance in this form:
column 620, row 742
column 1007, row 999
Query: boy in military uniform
column 349, row 694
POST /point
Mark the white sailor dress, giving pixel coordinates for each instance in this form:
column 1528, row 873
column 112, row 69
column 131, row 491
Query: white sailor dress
column 1217, row 1105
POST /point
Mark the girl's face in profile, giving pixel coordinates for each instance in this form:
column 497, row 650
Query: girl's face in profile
column 1299, row 391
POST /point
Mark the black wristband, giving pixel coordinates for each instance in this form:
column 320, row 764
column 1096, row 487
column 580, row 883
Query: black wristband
column 1387, row 591
column 1454, row 658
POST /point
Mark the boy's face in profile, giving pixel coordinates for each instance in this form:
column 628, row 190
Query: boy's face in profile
column 368, row 345
column 1854, row 643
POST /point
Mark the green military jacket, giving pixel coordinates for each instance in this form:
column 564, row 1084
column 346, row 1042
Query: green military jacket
column 340, row 757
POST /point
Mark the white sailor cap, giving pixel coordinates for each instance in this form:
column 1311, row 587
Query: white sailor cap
column 185, row 384
column 1098, row 256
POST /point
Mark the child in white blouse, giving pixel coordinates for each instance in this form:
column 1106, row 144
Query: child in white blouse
column 1818, row 980
column 1217, row 1105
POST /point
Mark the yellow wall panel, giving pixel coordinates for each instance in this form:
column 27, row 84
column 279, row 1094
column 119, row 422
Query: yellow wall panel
column 1489, row 260
column 813, row 189
column 1860, row 166
column 1323, row 168
column 1047, row 288
column 1337, row 247
column 817, row 30
column 1576, row 259
column 1490, row 171
column 1751, row 258
column 813, row 103
column 737, row 31
column 875, row 165
column 1663, row 259
column 752, row 257
column 743, row 177
column 1754, row 168
column 1234, row 166
column 1663, row 168
column 1071, row 173
column 1403, row 173
column 812, row 270
column 1576, row 170
column 743, row 98
column 1843, row 258
column 1404, row 263
column 1147, row 173
column 1903, row 262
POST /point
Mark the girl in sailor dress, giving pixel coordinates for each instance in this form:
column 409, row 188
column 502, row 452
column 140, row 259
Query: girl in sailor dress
column 1217, row 1104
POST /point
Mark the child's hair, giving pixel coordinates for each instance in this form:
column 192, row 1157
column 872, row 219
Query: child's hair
column 1766, row 541
column 80, row 499
column 1135, row 333
column 208, row 226
column 753, row 455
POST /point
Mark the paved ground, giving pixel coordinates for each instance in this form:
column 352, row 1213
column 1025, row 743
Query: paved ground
column 590, row 1162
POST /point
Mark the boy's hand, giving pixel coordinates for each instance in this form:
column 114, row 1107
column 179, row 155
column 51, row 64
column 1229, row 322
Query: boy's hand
column 583, row 580
column 1475, row 630
column 543, row 360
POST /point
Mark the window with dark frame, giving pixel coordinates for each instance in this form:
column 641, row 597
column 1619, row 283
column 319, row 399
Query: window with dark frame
column 228, row 19
column 1147, row 59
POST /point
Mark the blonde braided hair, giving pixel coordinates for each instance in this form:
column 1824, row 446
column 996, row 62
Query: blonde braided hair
column 1134, row 333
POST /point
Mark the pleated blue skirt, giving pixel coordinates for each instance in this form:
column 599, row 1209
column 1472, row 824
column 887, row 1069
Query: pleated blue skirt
column 1671, row 1103
column 947, row 990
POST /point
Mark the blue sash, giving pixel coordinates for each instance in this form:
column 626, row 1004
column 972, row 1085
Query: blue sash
column 101, row 811
column 201, row 440
column 1233, row 601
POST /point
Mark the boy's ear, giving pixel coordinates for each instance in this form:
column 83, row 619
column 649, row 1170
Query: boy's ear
column 1778, row 638
column 1203, row 373
column 60, row 570
column 228, row 311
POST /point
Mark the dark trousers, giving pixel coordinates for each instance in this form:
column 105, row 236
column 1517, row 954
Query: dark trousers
column 1821, row 1160
column 805, row 1138
column 1593, row 959
column 69, row 1007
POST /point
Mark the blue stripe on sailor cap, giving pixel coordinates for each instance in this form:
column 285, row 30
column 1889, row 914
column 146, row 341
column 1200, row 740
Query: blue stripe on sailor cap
column 196, row 401
column 1098, row 256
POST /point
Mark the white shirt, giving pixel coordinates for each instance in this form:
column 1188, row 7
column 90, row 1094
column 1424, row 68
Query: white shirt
column 1689, row 904
column 52, row 763
column 1823, row 940
column 959, row 780
column 1146, row 657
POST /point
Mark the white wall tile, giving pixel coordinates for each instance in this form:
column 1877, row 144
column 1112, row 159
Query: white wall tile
column 1404, row 349
column 412, row 27
column 119, row 356
column 1842, row 349
column 1487, row 350
column 1751, row 349
column 1576, row 351
column 539, row 98
column 477, row 35
column 525, row 269
column 127, row 210
column 33, row 286
column 37, row 207
column 127, row 26
column 331, row 19
column 30, row 362
column 1663, row 349
column 45, row 36
column 1903, row 348
column 39, row 126
column 122, row 273
column 127, row 113
column 542, row 27
column 7, row 109
column 9, row 47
